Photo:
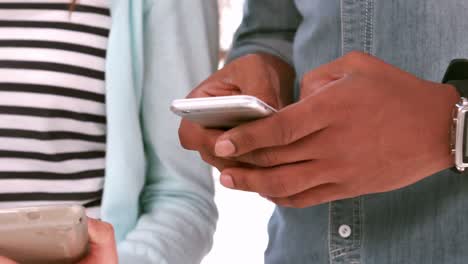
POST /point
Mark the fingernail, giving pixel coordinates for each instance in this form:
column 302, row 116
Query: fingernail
column 226, row 181
column 224, row 148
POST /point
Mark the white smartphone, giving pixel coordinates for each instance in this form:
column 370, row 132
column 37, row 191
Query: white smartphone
column 222, row 111
column 50, row 234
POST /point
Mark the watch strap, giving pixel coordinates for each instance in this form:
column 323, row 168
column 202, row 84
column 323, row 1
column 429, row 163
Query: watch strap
column 461, row 86
column 457, row 75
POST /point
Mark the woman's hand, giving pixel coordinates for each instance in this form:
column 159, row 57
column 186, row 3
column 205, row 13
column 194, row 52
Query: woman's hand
column 102, row 246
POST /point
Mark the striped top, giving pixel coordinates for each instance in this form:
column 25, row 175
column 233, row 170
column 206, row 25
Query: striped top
column 52, row 102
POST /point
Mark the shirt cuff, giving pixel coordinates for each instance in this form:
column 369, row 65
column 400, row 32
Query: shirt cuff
column 276, row 47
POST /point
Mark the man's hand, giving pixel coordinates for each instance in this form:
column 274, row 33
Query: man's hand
column 261, row 75
column 362, row 126
column 102, row 248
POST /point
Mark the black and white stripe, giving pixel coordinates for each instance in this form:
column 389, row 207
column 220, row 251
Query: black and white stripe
column 52, row 102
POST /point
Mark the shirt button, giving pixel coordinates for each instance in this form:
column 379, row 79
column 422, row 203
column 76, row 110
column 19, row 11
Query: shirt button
column 344, row 231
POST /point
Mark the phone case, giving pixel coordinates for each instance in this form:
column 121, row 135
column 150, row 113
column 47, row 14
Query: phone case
column 222, row 112
column 51, row 234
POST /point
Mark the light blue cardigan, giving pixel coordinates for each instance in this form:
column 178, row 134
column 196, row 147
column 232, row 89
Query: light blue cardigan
column 158, row 196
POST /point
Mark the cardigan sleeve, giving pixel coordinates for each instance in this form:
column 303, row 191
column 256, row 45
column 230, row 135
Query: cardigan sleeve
column 178, row 212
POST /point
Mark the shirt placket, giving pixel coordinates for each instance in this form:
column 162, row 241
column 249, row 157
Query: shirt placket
column 346, row 216
column 345, row 230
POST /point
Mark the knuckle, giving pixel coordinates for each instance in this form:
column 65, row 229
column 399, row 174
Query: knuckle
column 184, row 137
column 197, row 92
column 265, row 158
column 243, row 182
column 284, row 134
column 107, row 228
column 251, row 181
column 278, row 186
column 211, row 160
column 246, row 139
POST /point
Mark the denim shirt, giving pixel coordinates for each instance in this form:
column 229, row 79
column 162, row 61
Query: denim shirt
column 426, row 222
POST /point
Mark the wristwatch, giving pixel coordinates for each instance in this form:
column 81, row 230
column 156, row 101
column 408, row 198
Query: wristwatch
column 457, row 75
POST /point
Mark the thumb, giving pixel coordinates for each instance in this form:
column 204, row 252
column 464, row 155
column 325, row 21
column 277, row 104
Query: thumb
column 283, row 128
column 267, row 132
column 102, row 247
column 100, row 233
